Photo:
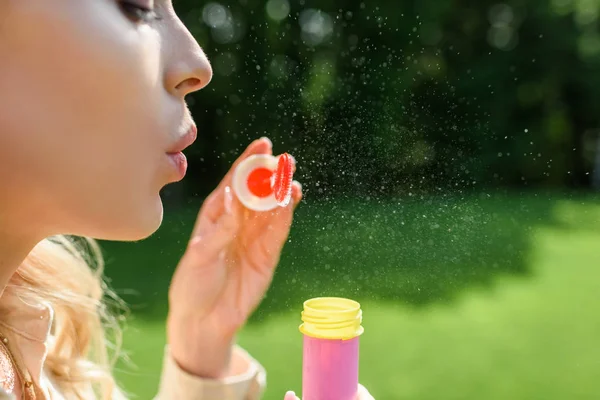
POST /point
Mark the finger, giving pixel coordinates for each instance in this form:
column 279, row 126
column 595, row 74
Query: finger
column 210, row 242
column 259, row 146
column 213, row 209
column 241, row 213
column 275, row 224
column 290, row 396
column 272, row 231
column 211, row 212
column 296, row 193
column 213, row 206
column 281, row 219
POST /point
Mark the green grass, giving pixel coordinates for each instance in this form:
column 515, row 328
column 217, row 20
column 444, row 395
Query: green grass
column 481, row 297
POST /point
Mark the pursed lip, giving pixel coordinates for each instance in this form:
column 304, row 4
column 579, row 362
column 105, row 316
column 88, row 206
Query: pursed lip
column 185, row 141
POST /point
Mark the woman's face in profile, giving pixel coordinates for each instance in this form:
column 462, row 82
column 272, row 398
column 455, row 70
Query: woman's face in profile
column 91, row 101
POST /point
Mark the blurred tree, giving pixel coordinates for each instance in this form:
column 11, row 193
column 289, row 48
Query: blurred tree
column 386, row 97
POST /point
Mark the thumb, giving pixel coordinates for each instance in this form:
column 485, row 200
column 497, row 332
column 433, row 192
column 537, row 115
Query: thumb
column 217, row 233
column 290, row 396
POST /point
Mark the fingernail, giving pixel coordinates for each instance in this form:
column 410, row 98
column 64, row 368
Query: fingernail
column 293, row 159
column 299, row 184
column 194, row 241
column 228, row 200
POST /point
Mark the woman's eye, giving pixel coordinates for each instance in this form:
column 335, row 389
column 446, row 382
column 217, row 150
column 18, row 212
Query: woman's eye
column 138, row 13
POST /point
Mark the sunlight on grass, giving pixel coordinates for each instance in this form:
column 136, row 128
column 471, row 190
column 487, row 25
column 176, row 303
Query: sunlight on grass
column 530, row 336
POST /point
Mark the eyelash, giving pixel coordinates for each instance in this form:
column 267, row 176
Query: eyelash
column 137, row 13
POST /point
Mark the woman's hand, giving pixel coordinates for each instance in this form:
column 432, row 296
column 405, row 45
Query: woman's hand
column 224, row 274
column 363, row 394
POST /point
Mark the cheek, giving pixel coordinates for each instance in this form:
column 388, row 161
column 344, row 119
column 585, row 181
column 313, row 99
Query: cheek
column 80, row 111
column 80, row 70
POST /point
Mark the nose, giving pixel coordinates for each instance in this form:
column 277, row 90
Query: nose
column 188, row 69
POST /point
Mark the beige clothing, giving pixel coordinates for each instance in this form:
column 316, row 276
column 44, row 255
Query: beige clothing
column 27, row 327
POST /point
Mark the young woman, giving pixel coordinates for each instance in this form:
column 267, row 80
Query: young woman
column 92, row 123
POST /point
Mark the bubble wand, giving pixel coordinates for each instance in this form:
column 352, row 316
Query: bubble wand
column 263, row 182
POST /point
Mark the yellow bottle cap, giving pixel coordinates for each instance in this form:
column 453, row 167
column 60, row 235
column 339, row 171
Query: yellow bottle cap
column 332, row 318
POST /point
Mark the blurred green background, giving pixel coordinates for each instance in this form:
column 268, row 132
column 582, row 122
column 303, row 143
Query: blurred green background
column 450, row 157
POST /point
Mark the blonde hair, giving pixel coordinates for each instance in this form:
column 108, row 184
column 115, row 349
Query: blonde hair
column 67, row 272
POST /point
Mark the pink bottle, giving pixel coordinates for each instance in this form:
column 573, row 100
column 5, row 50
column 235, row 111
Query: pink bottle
column 331, row 328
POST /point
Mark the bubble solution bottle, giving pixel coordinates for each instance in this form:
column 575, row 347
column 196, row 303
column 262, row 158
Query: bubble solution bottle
column 331, row 328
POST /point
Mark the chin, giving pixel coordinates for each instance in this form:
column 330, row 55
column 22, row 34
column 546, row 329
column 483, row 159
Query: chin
column 140, row 232
column 146, row 225
column 139, row 224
